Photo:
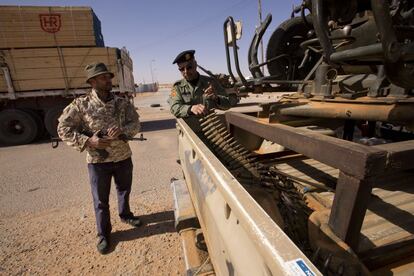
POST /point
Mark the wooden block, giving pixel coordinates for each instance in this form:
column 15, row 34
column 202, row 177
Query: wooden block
column 48, row 84
column 26, row 43
column 22, row 27
column 126, row 62
column 56, row 62
column 11, row 26
column 10, row 34
column 58, row 83
column 18, row 59
column 48, row 73
column 48, row 52
column 33, row 18
column 45, row 68
column 43, row 8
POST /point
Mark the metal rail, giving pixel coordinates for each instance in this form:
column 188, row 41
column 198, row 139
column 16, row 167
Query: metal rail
column 254, row 65
column 230, row 22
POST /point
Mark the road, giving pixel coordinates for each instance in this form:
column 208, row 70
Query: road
column 47, row 224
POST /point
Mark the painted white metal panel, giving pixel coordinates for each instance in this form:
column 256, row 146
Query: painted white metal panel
column 242, row 239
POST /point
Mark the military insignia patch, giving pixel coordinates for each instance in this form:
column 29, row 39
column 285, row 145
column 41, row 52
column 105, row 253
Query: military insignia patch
column 173, row 92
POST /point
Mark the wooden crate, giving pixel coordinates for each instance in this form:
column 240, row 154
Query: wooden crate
column 56, row 68
column 33, row 27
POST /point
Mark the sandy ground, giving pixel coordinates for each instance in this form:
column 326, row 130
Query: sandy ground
column 47, row 224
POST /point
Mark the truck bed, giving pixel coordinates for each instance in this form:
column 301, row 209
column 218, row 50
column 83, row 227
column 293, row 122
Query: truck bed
column 242, row 223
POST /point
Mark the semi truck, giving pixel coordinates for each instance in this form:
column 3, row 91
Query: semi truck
column 43, row 53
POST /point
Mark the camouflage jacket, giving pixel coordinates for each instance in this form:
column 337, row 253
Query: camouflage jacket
column 88, row 114
column 184, row 95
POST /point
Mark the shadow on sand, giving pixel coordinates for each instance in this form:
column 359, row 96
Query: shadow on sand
column 157, row 125
column 152, row 224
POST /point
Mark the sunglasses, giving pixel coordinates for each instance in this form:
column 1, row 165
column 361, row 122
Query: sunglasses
column 188, row 67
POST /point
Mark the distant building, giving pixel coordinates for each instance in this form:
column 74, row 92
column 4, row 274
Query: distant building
column 147, row 87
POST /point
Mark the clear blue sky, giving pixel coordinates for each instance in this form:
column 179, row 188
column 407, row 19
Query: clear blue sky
column 158, row 30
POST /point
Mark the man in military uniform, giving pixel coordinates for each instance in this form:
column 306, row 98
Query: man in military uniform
column 95, row 122
column 195, row 94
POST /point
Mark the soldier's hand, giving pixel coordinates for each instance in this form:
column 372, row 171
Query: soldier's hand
column 198, row 109
column 210, row 93
column 98, row 143
column 114, row 132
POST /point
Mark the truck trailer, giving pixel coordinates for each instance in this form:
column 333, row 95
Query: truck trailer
column 43, row 53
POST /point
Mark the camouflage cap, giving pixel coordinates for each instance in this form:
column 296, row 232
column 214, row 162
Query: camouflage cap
column 96, row 69
column 184, row 56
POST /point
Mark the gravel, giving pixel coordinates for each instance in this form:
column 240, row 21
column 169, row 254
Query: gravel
column 47, row 224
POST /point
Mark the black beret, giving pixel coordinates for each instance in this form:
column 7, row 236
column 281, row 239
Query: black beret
column 184, row 56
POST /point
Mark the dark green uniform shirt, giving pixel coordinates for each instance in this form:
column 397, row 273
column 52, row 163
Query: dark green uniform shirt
column 184, row 95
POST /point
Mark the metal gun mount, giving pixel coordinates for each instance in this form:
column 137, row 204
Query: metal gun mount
column 351, row 64
column 348, row 42
column 339, row 61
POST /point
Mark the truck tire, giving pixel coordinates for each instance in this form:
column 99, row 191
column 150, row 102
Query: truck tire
column 286, row 39
column 17, row 127
column 51, row 119
column 39, row 121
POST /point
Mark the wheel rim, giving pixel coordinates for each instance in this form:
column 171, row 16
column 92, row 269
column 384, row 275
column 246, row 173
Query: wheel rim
column 287, row 39
column 15, row 127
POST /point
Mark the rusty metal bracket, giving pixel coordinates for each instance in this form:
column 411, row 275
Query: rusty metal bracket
column 9, row 83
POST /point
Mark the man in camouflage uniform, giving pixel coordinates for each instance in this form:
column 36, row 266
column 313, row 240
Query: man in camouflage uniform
column 95, row 122
column 195, row 94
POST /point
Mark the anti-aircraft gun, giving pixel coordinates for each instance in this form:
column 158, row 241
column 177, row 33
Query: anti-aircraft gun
column 331, row 162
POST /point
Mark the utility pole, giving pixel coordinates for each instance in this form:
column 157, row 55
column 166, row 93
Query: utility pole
column 261, row 42
column 152, row 73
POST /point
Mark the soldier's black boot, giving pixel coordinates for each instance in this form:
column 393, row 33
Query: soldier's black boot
column 133, row 220
column 103, row 245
